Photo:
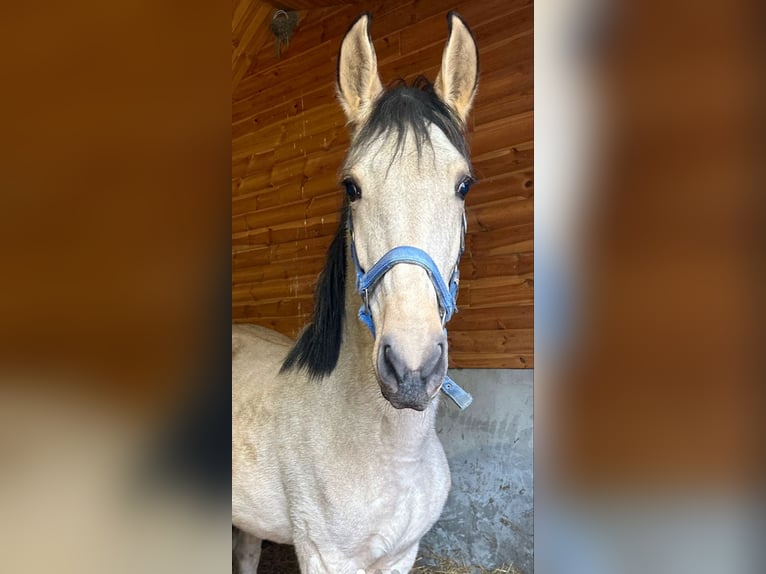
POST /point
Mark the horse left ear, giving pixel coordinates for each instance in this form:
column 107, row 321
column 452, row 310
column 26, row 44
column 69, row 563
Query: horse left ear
column 459, row 75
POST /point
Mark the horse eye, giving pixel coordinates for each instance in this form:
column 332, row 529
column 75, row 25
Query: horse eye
column 352, row 189
column 463, row 187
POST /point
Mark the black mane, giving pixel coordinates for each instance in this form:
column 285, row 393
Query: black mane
column 400, row 109
column 318, row 347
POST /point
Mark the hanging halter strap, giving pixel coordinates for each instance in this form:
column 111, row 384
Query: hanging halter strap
column 446, row 294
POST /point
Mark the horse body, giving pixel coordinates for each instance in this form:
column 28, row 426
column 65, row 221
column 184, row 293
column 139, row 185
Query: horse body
column 365, row 488
column 334, row 448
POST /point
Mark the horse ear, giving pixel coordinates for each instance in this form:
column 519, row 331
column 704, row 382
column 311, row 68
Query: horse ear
column 358, row 83
column 459, row 75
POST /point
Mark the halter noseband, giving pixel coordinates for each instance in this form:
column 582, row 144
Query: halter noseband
column 446, row 295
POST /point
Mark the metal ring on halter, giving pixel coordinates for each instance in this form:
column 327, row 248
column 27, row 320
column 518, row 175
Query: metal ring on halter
column 462, row 236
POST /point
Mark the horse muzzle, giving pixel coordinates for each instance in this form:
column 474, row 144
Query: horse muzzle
column 410, row 382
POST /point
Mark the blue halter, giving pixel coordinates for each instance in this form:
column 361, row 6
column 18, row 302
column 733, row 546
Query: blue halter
column 446, row 294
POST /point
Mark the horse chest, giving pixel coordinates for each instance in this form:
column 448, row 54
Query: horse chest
column 391, row 508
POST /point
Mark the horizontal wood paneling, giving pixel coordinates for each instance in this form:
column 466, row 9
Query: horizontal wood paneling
column 289, row 138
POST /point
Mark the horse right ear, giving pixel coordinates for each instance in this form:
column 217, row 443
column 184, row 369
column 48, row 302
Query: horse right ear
column 459, row 75
column 358, row 83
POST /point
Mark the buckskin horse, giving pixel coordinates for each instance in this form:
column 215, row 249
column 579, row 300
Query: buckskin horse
column 333, row 442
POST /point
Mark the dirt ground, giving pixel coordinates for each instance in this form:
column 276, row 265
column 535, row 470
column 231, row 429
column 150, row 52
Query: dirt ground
column 279, row 559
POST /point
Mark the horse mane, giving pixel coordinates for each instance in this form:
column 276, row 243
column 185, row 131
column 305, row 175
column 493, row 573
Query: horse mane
column 318, row 346
column 400, row 109
column 404, row 109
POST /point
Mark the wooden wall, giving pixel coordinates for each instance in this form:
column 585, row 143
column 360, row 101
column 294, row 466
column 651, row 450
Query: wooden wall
column 289, row 137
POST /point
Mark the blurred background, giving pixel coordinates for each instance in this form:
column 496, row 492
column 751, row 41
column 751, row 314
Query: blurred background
column 116, row 285
column 115, row 279
column 649, row 286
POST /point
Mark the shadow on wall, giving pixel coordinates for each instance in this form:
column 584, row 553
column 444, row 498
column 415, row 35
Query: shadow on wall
column 488, row 518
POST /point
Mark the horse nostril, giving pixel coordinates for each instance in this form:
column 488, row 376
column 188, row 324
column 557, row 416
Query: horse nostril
column 394, row 364
column 434, row 362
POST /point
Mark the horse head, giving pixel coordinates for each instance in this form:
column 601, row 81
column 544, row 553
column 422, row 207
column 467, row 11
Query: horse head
column 406, row 174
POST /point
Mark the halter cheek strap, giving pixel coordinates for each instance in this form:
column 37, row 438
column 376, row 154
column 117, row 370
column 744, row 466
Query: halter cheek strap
column 446, row 295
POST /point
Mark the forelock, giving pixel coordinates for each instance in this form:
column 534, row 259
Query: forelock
column 404, row 111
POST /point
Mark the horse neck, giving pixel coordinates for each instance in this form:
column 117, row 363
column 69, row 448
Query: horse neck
column 405, row 430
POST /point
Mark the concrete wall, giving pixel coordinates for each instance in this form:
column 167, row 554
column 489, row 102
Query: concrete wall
column 487, row 520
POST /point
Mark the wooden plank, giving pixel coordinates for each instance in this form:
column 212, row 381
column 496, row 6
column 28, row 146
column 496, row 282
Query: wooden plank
column 247, row 37
column 481, row 265
column 510, row 78
column 255, row 143
column 253, row 257
column 426, row 62
column 238, row 9
column 516, row 103
column 471, row 360
column 491, row 32
column 503, row 133
column 504, row 160
column 322, row 226
column 499, row 214
column 292, row 307
column 333, row 139
column 256, row 26
column 313, row 121
column 241, row 17
column 508, row 317
column 292, row 75
column 239, row 167
column 290, row 192
column 499, row 242
column 519, row 185
column 493, row 342
column 425, row 14
column 497, row 291
column 258, row 111
column 275, row 289
column 289, row 250
column 433, row 30
column 268, row 217
column 502, row 55
column 281, row 270
column 255, row 181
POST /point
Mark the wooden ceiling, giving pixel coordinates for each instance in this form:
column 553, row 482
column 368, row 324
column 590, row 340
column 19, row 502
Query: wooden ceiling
column 249, row 31
column 308, row 4
column 250, row 28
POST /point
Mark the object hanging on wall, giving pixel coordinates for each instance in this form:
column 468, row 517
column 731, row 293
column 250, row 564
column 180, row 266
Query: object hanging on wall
column 283, row 24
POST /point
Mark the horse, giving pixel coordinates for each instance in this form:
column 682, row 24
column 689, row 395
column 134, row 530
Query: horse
column 334, row 448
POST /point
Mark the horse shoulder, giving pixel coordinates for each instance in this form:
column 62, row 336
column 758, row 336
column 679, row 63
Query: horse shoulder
column 258, row 497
